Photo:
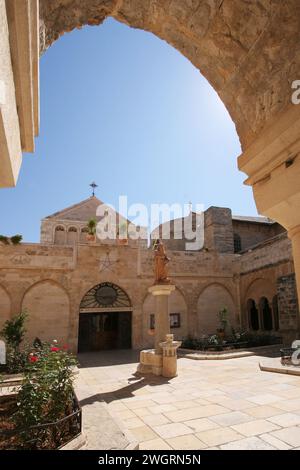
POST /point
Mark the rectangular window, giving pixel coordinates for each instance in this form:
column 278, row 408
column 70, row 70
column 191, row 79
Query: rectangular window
column 152, row 321
column 174, row 320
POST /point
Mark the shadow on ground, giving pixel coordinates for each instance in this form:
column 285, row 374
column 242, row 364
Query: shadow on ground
column 108, row 358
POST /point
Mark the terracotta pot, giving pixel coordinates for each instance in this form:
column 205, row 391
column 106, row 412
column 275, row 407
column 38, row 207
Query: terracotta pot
column 90, row 237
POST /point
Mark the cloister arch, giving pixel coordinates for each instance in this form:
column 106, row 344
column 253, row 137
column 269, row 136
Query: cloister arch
column 223, row 39
column 48, row 306
column 5, row 306
column 212, row 299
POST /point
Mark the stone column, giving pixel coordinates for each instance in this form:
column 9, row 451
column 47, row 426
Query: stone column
column 272, row 163
column 151, row 361
column 294, row 235
column 162, row 319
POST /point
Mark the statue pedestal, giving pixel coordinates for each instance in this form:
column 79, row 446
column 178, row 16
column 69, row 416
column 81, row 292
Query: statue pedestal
column 151, row 360
column 169, row 360
column 162, row 319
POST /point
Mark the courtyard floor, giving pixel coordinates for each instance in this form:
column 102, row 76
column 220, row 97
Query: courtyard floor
column 225, row 404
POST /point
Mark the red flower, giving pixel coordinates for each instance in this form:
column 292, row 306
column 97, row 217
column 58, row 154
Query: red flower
column 33, row 358
column 54, row 349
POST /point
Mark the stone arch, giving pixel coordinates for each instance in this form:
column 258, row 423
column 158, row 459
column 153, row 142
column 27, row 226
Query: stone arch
column 259, row 288
column 265, row 314
column 59, row 234
column 5, row 306
column 215, row 37
column 90, row 300
column 83, row 233
column 72, row 235
column 212, row 299
column 177, row 305
column 48, row 306
column 252, row 315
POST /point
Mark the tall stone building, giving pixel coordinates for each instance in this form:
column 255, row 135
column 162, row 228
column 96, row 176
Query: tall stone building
column 93, row 295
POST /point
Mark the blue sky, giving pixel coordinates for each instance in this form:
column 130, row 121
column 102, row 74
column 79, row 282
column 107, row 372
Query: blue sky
column 123, row 108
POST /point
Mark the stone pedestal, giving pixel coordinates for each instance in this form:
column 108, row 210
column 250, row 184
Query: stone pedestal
column 169, row 360
column 162, row 319
column 151, row 360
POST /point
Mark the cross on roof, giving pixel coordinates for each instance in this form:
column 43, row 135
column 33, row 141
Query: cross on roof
column 94, row 186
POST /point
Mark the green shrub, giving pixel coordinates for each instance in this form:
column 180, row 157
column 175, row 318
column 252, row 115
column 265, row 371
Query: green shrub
column 4, row 239
column 13, row 333
column 16, row 239
column 46, row 393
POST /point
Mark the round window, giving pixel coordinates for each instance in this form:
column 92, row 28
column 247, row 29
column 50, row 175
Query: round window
column 106, row 295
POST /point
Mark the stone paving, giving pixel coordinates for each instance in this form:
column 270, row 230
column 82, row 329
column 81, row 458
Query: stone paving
column 228, row 404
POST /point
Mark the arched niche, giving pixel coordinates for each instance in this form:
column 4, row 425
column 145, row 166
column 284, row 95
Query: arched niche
column 211, row 300
column 48, row 307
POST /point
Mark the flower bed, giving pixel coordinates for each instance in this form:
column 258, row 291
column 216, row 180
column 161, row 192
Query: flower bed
column 214, row 343
column 38, row 437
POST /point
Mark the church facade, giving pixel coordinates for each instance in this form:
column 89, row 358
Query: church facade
column 93, row 295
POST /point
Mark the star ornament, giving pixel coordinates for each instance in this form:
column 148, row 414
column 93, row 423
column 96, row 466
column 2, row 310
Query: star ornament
column 106, row 264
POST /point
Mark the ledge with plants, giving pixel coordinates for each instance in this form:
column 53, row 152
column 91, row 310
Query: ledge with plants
column 14, row 240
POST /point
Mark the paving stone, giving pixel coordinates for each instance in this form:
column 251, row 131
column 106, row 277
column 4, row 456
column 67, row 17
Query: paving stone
column 249, row 443
column 133, row 423
column 273, row 441
column 188, row 442
column 229, row 419
column 264, row 399
column 167, row 431
column 143, row 433
column 286, row 420
column 289, row 435
column 253, row 428
column 218, row 436
column 264, row 411
column 197, row 412
column 201, row 424
column 155, row 420
column 154, row 444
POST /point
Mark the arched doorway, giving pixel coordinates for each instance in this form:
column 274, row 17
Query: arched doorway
column 252, row 315
column 105, row 319
column 275, row 312
column 266, row 314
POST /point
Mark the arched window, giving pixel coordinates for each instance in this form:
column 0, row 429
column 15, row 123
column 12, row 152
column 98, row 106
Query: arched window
column 83, row 234
column 237, row 242
column 252, row 315
column 275, row 312
column 60, row 235
column 266, row 314
column 72, row 235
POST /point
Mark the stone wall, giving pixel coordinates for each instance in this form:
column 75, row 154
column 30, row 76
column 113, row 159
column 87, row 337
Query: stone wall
column 50, row 281
column 288, row 303
column 218, row 230
column 253, row 233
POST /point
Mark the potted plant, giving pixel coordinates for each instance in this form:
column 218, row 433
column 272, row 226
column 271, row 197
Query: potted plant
column 223, row 319
column 91, row 234
column 16, row 239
